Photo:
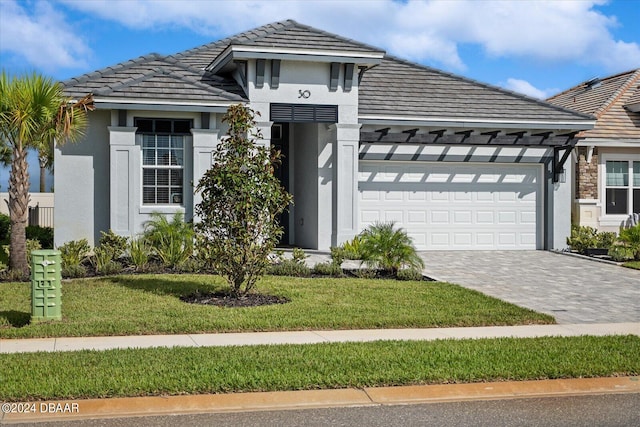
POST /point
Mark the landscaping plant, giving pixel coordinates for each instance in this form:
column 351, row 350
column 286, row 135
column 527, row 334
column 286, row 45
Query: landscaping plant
column 584, row 237
column 113, row 243
column 352, row 248
column 328, row 269
column 103, row 261
column 409, row 274
column 630, row 237
column 241, row 202
column 139, row 253
column 384, row 247
column 72, row 254
column 605, row 239
column 44, row 235
column 171, row 241
column 619, row 252
column 5, row 226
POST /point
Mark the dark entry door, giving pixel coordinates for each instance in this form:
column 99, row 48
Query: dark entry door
column 280, row 141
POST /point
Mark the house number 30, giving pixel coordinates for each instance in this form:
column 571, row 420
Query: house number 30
column 304, row 94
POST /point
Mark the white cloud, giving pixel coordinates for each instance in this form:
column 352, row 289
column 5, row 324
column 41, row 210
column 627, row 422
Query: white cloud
column 526, row 88
column 551, row 31
column 41, row 37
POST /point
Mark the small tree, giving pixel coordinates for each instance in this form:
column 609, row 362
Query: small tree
column 241, row 200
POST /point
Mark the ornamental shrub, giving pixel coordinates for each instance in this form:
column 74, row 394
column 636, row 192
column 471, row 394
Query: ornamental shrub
column 328, row 269
column 582, row 238
column 5, row 225
column 44, row 235
column 241, row 202
column 74, row 252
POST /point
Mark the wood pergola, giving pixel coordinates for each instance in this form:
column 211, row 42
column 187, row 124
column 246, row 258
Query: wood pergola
column 562, row 144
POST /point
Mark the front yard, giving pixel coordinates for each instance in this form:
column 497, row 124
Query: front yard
column 150, row 304
column 162, row 371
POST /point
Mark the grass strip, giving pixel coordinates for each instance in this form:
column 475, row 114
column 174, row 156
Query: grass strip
column 172, row 371
column 150, row 304
column 632, row 264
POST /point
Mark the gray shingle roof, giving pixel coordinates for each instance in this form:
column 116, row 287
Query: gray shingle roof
column 285, row 34
column 606, row 101
column 401, row 88
column 155, row 77
column 291, row 34
column 395, row 87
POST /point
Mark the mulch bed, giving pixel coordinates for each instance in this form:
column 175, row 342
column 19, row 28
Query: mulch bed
column 224, row 299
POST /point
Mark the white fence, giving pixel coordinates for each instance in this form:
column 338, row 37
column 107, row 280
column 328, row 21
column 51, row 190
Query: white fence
column 40, row 208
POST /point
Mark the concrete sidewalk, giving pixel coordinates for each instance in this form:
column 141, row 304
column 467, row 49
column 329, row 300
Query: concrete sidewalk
column 311, row 337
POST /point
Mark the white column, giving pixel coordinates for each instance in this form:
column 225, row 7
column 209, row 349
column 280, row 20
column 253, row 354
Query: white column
column 345, row 183
column 265, row 129
column 124, row 179
column 205, row 142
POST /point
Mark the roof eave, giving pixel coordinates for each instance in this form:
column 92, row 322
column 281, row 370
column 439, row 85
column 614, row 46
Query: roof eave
column 163, row 105
column 576, row 125
column 609, row 142
column 240, row 52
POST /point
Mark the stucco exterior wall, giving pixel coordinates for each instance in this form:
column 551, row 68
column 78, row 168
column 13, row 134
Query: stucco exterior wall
column 297, row 77
column 560, row 212
column 81, row 184
column 98, row 181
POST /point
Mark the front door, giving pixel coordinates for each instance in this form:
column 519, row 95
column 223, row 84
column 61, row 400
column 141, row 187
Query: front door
column 280, row 141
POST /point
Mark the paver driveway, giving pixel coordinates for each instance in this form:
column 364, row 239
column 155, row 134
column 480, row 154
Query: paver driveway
column 574, row 290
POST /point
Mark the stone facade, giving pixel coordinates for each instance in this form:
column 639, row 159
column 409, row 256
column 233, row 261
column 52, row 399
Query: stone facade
column 587, row 174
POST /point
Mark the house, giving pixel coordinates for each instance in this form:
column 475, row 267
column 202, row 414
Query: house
column 459, row 164
column 607, row 157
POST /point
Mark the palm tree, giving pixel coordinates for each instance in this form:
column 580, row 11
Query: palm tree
column 45, row 160
column 388, row 248
column 33, row 113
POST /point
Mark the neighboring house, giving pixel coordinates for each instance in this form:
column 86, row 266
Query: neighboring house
column 41, row 206
column 366, row 136
column 607, row 176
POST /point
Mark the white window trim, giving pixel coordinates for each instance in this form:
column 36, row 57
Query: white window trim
column 617, row 219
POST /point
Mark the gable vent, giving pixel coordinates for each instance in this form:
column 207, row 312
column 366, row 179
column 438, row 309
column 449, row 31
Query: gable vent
column 304, row 113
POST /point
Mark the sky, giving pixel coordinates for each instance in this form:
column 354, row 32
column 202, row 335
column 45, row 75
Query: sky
column 537, row 48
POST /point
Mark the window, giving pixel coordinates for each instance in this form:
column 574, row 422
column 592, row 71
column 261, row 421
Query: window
column 622, row 187
column 163, row 160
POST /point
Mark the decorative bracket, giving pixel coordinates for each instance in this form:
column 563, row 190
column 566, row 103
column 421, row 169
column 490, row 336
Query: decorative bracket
column 558, row 162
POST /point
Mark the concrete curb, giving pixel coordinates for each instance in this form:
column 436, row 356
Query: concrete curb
column 306, row 399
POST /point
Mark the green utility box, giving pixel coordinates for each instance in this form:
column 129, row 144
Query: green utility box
column 46, row 286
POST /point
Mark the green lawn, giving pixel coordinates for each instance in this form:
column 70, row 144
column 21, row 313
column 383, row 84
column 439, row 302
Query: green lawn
column 632, row 264
column 149, row 304
column 33, row 376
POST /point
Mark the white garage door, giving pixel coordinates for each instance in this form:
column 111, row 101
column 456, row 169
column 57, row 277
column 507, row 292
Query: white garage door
column 455, row 206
